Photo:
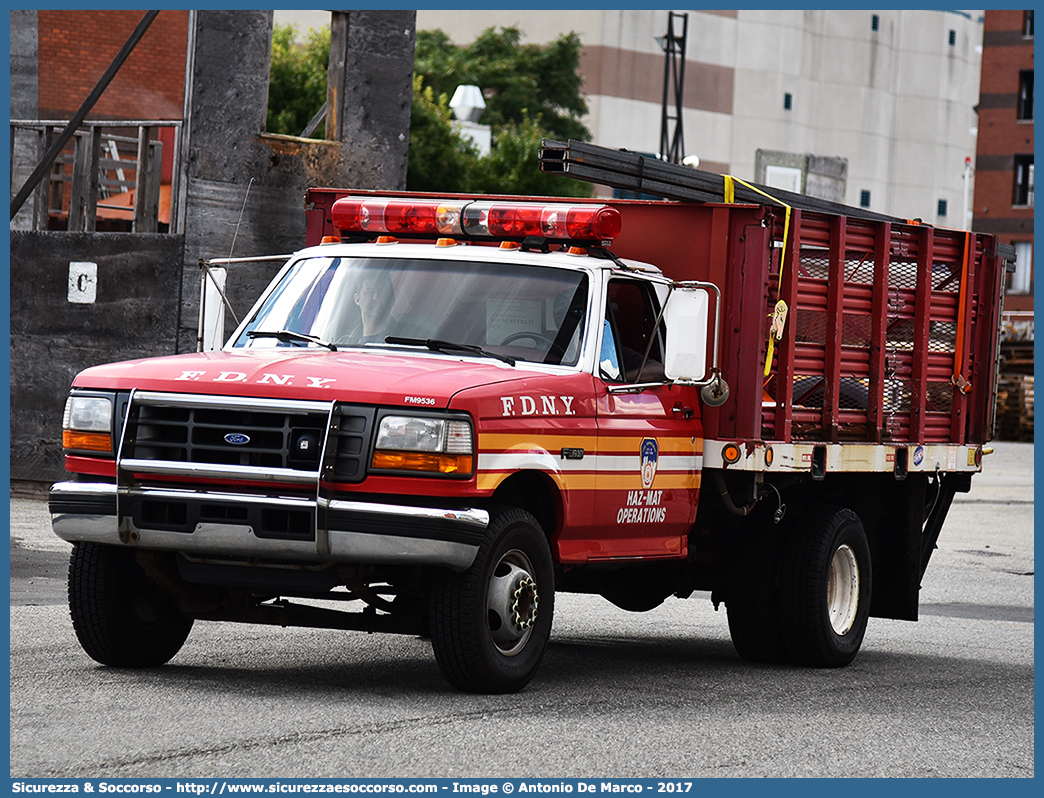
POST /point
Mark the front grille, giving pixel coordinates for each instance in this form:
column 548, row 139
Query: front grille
column 248, row 433
column 225, row 436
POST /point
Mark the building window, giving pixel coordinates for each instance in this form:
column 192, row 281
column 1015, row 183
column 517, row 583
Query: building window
column 941, row 209
column 1027, row 24
column 953, row 38
column 1023, row 181
column 788, row 178
column 875, row 22
column 1021, row 282
column 788, row 101
column 1026, row 94
column 864, row 199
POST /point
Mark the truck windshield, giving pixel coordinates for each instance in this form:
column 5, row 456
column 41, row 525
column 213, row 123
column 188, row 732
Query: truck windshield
column 522, row 312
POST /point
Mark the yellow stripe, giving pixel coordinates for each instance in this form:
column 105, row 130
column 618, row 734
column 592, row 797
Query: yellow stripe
column 503, row 441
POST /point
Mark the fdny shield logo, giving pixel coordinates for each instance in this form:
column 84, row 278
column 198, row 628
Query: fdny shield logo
column 650, row 456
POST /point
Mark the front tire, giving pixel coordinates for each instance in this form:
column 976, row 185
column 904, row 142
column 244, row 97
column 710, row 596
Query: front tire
column 490, row 624
column 826, row 579
column 121, row 617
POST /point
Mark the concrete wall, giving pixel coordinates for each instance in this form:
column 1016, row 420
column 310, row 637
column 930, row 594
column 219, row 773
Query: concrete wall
column 134, row 315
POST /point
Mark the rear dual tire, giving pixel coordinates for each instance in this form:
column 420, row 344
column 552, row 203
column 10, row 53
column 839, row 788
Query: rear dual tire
column 826, row 592
column 802, row 594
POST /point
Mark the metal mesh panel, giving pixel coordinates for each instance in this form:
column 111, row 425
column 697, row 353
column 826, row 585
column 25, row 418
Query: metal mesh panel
column 856, row 330
column 814, row 265
column 943, row 336
column 852, row 392
column 946, row 277
column 810, row 326
column 859, row 269
column 939, row 397
column 902, row 274
column 901, row 335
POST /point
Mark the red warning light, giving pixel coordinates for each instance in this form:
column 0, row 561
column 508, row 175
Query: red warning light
column 477, row 219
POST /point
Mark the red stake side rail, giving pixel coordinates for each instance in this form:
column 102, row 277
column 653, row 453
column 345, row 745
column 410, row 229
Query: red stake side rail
column 885, row 318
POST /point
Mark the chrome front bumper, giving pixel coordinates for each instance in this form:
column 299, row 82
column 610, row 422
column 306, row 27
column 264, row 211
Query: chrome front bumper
column 343, row 531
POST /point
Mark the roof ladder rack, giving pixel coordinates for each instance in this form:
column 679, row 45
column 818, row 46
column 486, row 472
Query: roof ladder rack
column 630, row 170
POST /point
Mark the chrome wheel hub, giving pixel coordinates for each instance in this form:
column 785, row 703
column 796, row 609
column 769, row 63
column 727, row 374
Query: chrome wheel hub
column 512, row 603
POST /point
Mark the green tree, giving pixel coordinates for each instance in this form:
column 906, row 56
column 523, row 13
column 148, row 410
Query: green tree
column 297, row 80
column 531, row 92
column 518, row 81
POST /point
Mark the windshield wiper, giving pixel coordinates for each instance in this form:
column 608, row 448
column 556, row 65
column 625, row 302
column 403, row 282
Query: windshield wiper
column 438, row 345
column 291, row 337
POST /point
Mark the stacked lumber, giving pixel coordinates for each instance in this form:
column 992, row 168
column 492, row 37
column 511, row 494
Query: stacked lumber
column 1016, row 357
column 1015, row 407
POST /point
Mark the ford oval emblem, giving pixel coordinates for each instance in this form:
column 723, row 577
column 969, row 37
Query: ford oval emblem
column 237, row 438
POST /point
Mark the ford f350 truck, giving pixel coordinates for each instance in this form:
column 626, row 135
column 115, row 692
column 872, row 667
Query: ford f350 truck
column 448, row 408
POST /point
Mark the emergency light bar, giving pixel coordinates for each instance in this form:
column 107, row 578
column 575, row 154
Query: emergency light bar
column 476, row 219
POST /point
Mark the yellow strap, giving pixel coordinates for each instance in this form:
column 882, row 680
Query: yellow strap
column 729, row 196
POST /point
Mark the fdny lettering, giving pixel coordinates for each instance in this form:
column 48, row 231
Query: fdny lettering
column 547, row 406
column 643, row 507
column 276, row 379
column 264, row 379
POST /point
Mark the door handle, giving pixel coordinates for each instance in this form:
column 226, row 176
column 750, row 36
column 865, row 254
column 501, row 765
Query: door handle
column 688, row 412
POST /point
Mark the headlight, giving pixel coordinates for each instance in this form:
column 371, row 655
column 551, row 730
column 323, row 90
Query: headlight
column 87, row 424
column 423, row 443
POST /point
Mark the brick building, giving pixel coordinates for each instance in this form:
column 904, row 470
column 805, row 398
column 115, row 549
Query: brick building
column 1004, row 201
column 1004, row 155
column 76, row 47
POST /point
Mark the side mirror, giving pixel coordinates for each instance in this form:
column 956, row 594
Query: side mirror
column 688, row 319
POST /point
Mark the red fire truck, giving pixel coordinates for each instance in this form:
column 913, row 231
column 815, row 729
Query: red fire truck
column 448, row 408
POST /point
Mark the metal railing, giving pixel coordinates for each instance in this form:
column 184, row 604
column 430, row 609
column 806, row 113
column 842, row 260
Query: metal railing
column 103, row 179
